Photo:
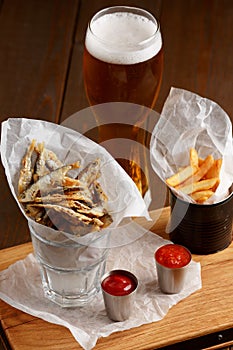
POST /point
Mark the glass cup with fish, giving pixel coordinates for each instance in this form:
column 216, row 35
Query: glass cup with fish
column 62, row 209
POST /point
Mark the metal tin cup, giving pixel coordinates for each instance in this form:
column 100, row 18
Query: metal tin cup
column 119, row 288
column 172, row 261
column 202, row 228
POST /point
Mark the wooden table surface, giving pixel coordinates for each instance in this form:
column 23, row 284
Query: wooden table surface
column 41, row 47
column 202, row 320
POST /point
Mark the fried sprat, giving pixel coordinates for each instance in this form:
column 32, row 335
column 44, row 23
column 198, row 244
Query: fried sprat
column 53, row 198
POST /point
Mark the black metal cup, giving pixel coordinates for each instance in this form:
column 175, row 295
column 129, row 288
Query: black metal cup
column 202, row 228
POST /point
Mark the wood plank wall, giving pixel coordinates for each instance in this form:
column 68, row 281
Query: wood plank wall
column 41, row 45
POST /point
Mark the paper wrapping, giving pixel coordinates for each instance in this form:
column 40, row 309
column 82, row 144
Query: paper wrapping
column 87, row 324
column 189, row 120
column 124, row 199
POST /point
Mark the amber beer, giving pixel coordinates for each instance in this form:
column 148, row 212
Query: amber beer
column 123, row 62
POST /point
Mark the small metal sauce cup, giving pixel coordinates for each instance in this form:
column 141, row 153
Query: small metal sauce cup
column 119, row 307
column 172, row 279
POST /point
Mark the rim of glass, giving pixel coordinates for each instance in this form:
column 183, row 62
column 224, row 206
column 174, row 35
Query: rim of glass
column 132, row 9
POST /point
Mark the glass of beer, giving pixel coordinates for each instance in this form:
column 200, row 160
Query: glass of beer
column 123, row 62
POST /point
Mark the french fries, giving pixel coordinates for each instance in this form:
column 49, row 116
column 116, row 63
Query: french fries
column 202, row 196
column 181, row 176
column 201, row 171
column 199, row 186
column 199, row 179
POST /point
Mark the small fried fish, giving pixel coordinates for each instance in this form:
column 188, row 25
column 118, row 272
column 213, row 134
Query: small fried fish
column 54, row 199
column 26, row 173
column 46, row 183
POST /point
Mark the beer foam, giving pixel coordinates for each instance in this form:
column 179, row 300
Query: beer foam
column 123, row 38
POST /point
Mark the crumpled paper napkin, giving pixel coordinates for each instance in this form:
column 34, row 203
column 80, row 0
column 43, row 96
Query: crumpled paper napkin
column 189, row 120
column 24, row 291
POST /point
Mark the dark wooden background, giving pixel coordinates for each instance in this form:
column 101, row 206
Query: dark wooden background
column 41, row 46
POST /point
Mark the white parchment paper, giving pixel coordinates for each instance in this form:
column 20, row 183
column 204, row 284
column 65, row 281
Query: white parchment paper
column 23, row 290
column 124, row 199
column 189, row 120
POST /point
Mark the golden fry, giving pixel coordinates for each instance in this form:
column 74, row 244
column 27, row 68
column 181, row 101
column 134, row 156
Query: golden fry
column 200, row 161
column 202, row 196
column 214, row 188
column 199, row 179
column 203, row 169
column 214, row 171
column 193, row 156
column 201, row 200
column 181, row 176
column 199, row 186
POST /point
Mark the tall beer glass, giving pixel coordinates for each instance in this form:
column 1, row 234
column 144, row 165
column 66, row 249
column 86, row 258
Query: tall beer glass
column 123, row 62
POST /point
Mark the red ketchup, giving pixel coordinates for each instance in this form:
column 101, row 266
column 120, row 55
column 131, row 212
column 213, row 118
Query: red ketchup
column 173, row 256
column 118, row 284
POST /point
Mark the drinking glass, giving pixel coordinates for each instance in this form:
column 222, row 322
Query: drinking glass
column 123, row 63
column 70, row 272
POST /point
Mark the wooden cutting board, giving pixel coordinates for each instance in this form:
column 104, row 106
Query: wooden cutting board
column 205, row 312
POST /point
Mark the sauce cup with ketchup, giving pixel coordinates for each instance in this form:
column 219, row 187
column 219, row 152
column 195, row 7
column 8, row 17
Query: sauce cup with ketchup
column 172, row 261
column 119, row 288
